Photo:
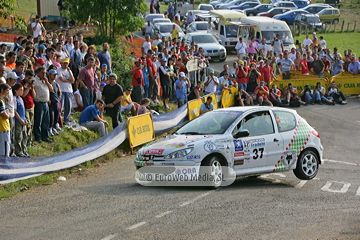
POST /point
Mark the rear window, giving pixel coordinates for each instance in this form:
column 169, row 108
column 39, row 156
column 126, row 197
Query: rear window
column 285, row 121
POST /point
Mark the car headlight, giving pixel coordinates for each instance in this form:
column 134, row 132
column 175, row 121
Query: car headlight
column 179, row 154
column 222, row 50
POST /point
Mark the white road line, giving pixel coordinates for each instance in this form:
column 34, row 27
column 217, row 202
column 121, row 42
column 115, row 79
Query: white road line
column 197, row 198
column 343, row 189
column 136, row 225
column 358, row 192
column 301, row 184
column 335, row 161
column 110, row 236
column 163, row 214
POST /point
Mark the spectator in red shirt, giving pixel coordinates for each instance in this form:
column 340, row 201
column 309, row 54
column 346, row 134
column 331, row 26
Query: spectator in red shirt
column 241, row 74
column 28, row 98
column 275, row 95
column 304, row 65
column 326, row 63
column 153, row 93
column 137, row 81
column 267, row 73
column 261, row 93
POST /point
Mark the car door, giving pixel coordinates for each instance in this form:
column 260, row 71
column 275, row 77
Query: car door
column 264, row 145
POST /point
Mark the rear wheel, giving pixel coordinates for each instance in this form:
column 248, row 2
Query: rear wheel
column 213, row 171
column 335, row 21
column 307, row 165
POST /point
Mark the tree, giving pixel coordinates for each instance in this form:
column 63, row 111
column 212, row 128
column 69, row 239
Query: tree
column 7, row 11
column 113, row 17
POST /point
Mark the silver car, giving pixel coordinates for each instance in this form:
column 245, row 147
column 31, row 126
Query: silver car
column 199, row 26
column 164, row 29
column 207, row 41
column 150, row 18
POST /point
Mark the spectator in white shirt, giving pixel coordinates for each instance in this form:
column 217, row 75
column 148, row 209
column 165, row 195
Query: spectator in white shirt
column 211, row 82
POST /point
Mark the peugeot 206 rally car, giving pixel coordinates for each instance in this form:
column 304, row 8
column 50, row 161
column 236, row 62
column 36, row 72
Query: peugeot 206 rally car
column 248, row 140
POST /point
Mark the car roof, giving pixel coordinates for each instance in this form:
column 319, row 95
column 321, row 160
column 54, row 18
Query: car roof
column 246, row 109
column 198, row 33
column 165, row 23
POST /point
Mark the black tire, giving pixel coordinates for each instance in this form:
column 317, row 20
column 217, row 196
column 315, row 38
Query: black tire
column 307, row 165
column 335, row 21
column 222, row 59
column 216, row 172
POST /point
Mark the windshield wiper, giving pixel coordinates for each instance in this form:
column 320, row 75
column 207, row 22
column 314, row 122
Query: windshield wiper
column 189, row 133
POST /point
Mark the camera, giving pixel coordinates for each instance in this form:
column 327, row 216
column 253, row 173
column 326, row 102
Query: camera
column 32, row 81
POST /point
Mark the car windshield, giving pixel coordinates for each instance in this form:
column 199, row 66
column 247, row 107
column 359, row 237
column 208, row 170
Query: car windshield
column 158, row 20
column 313, row 19
column 286, row 36
column 204, row 39
column 231, row 30
column 168, row 28
column 206, row 8
column 216, row 122
column 150, row 18
column 201, row 26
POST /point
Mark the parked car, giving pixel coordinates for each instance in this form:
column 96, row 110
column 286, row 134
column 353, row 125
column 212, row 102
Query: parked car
column 164, row 29
column 272, row 12
column 205, row 7
column 244, row 5
column 289, row 17
column 258, row 9
column 150, row 18
column 315, row 8
column 209, row 43
column 227, row 4
column 329, row 15
column 197, row 26
column 249, row 140
column 301, row 3
column 214, row 3
column 312, row 21
column 159, row 20
column 290, row 5
column 333, row 2
column 217, row 6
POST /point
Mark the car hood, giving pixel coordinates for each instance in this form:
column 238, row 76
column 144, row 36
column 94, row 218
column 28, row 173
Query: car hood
column 210, row 46
column 172, row 143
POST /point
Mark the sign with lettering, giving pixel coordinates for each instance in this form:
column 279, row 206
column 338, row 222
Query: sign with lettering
column 192, row 65
column 140, row 129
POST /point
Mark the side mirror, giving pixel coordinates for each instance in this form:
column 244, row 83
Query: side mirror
column 242, row 133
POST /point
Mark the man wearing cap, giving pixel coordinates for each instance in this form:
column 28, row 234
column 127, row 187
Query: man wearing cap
column 92, row 118
column 87, row 82
column 41, row 113
column 261, row 93
column 137, row 80
column 211, row 82
column 112, row 95
column 166, row 82
column 182, row 84
column 65, row 79
column 54, row 108
column 240, row 49
column 40, row 62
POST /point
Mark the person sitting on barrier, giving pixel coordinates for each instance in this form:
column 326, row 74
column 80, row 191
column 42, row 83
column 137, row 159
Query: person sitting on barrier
column 354, row 66
column 267, row 73
column 291, row 97
column 318, row 66
column 277, row 70
column 195, row 93
column 127, row 104
column 207, row 106
column 92, row 118
column 253, row 78
column 286, row 65
column 275, row 95
column 304, row 66
column 261, row 93
column 326, row 63
column 143, row 108
column 337, row 95
column 225, row 83
column 244, row 99
column 307, row 95
column 319, row 95
column 337, row 65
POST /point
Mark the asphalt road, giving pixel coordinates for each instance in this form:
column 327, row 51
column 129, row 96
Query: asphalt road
column 107, row 203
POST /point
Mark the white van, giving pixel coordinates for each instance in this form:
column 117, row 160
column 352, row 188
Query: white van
column 268, row 28
column 225, row 26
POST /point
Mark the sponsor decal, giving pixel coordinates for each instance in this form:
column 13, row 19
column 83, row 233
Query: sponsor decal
column 175, row 145
column 149, row 163
column 238, row 145
column 254, row 143
column 209, row 146
column 193, row 157
column 220, row 146
column 154, row 151
column 239, row 162
column 239, row 154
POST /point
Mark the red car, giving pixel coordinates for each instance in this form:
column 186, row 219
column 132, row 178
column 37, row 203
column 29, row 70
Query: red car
column 274, row 11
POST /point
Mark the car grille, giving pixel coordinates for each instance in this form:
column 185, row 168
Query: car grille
column 154, row 157
column 215, row 51
column 209, row 51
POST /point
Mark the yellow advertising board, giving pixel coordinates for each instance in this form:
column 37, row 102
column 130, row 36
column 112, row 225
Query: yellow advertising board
column 214, row 99
column 140, row 129
column 227, row 98
column 347, row 83
column 194, row 108
column 300, row 83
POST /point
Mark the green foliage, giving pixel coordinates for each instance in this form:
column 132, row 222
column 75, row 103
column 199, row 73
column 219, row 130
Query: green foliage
column 113, row 17
column 7, row 9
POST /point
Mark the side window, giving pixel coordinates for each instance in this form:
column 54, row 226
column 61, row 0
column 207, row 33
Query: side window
column 222, row 30
column 285, row 121
column 259, row 123
column 328, row 12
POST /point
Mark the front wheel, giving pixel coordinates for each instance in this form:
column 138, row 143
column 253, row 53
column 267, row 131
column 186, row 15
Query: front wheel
column 307, row 165
column 251, row 14
column 222, row 59
column 336, row 21
column 211, row 168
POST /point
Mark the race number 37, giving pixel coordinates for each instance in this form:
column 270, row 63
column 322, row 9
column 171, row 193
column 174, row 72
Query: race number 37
column 258, row 153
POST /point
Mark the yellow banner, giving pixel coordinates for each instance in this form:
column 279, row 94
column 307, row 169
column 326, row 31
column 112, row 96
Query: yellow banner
column 347, row 83
column 140, row 129
column 194, row 108
column 214, row 99
column 300, row 83
column 227, row 98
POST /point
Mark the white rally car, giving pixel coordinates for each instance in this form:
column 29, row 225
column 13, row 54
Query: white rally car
column 249, row 140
